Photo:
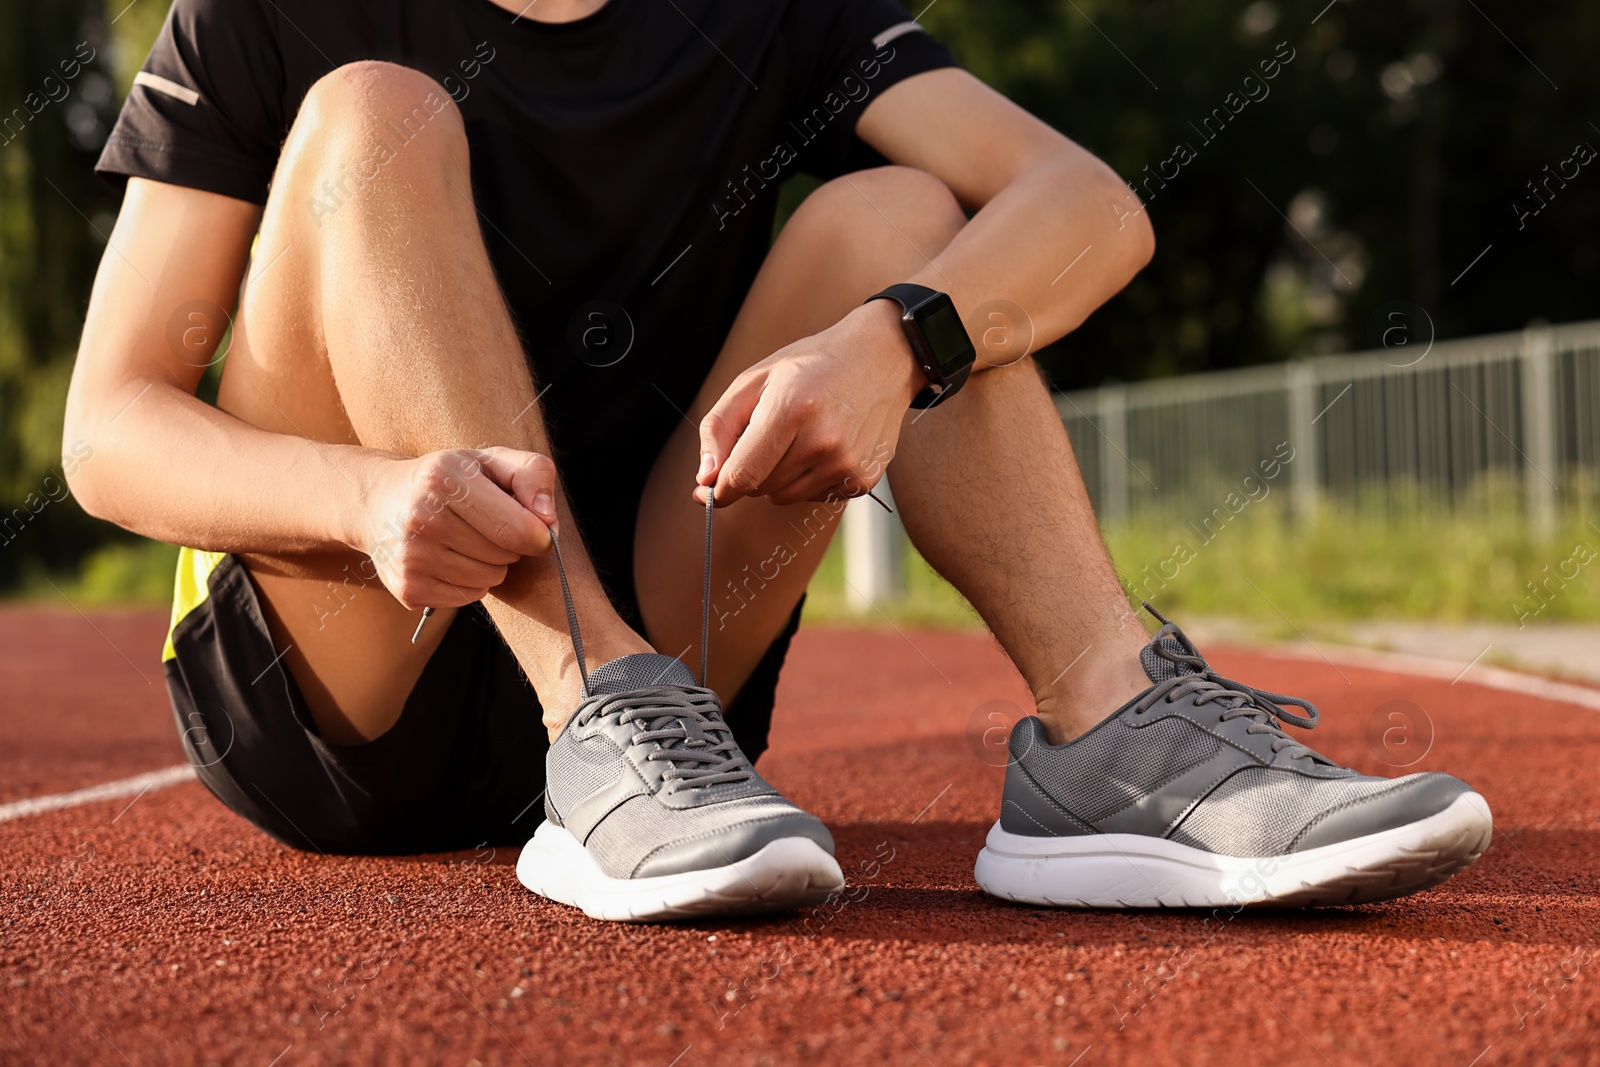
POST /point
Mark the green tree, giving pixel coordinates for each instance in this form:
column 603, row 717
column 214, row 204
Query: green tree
column 64, row 68
column 55, row 104
column 1397, row 140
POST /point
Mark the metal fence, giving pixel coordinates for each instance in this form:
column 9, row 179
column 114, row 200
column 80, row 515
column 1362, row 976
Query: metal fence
column 1425, row 424
column 1435, row 422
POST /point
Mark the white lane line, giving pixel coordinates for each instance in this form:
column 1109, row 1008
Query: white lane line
column 122, row 787
column 1533, row 685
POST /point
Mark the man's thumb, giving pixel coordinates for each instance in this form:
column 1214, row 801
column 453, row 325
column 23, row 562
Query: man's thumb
column 720, row 429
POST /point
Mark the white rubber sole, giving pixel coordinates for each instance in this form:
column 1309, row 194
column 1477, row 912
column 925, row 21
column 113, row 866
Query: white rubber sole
column 1133, row 871
column 789, row 873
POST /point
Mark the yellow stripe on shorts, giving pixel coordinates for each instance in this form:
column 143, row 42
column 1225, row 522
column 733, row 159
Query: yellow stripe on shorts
column 190, row 589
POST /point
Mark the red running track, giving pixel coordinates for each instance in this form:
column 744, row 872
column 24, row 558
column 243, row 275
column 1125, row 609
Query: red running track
column 168, row 931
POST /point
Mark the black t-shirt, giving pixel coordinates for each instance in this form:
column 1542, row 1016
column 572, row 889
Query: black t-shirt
column 629, row 160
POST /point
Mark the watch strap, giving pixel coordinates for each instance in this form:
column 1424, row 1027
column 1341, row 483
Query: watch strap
column 941, row 386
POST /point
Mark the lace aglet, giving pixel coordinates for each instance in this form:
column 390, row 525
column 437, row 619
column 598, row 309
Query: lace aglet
column 427, row 613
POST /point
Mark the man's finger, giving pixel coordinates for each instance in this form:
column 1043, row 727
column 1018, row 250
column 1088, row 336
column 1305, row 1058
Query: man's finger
column 530, row 478
column 758, row 450
column 819, row 484
column 723, row 425
column 794, row 465
column 465, row 572
column 441, row 578
column 491, row 504
column 810, row 485
column 457, row 534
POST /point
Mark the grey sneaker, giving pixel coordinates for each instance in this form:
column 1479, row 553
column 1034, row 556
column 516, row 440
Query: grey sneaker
column 652, row 812
column 1192, row 795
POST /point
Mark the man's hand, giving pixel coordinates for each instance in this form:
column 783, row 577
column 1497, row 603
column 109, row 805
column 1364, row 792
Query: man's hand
column 818, row 419
column 443, row 528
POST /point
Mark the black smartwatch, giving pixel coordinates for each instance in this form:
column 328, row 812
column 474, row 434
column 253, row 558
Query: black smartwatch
column 938, row 339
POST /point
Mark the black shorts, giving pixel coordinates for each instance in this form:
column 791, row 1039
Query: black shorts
column 462, row 767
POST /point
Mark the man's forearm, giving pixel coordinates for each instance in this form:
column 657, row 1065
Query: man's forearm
column 169, row 466
column 1058, row 241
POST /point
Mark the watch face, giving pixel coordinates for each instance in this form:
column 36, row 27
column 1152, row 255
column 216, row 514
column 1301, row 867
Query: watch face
column 946, row 336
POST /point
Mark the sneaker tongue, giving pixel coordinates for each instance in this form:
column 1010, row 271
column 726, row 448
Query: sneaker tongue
column 1158, row 667
column 639, row 671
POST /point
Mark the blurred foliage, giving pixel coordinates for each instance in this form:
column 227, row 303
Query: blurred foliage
column 133, row 572
column 65, row 66
column 1397, row 139
column 1374, row 167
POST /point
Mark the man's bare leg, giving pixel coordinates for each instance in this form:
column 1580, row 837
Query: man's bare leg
column 990, row 493
column 987, row 484
column 356, row 326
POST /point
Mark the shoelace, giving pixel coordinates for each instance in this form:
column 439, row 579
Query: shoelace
column 572, row 608
column 696, row 744
column 685, row 721
column 1239, row 700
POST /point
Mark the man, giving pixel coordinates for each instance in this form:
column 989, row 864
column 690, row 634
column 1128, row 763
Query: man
column 511, row 318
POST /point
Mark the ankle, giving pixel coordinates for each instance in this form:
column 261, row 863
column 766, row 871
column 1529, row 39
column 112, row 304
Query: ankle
column 1081, row 699
column 565, row 689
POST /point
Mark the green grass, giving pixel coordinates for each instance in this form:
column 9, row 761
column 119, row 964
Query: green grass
column 1346, row 567
column 1343, row 566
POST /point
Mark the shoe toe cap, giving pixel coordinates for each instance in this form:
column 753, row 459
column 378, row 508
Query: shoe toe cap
column 1412, row 799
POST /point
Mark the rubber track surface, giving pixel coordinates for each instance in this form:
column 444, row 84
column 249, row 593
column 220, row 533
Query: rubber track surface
column 168, row 931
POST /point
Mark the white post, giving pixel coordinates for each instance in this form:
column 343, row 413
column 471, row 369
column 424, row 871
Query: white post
column 1300, row 379
column 1113, row 455
column 874, row 552
column 1539, row 433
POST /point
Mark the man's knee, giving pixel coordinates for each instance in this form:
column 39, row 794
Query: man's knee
column 373, row 94
column 904, row 200
column 369, row 120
